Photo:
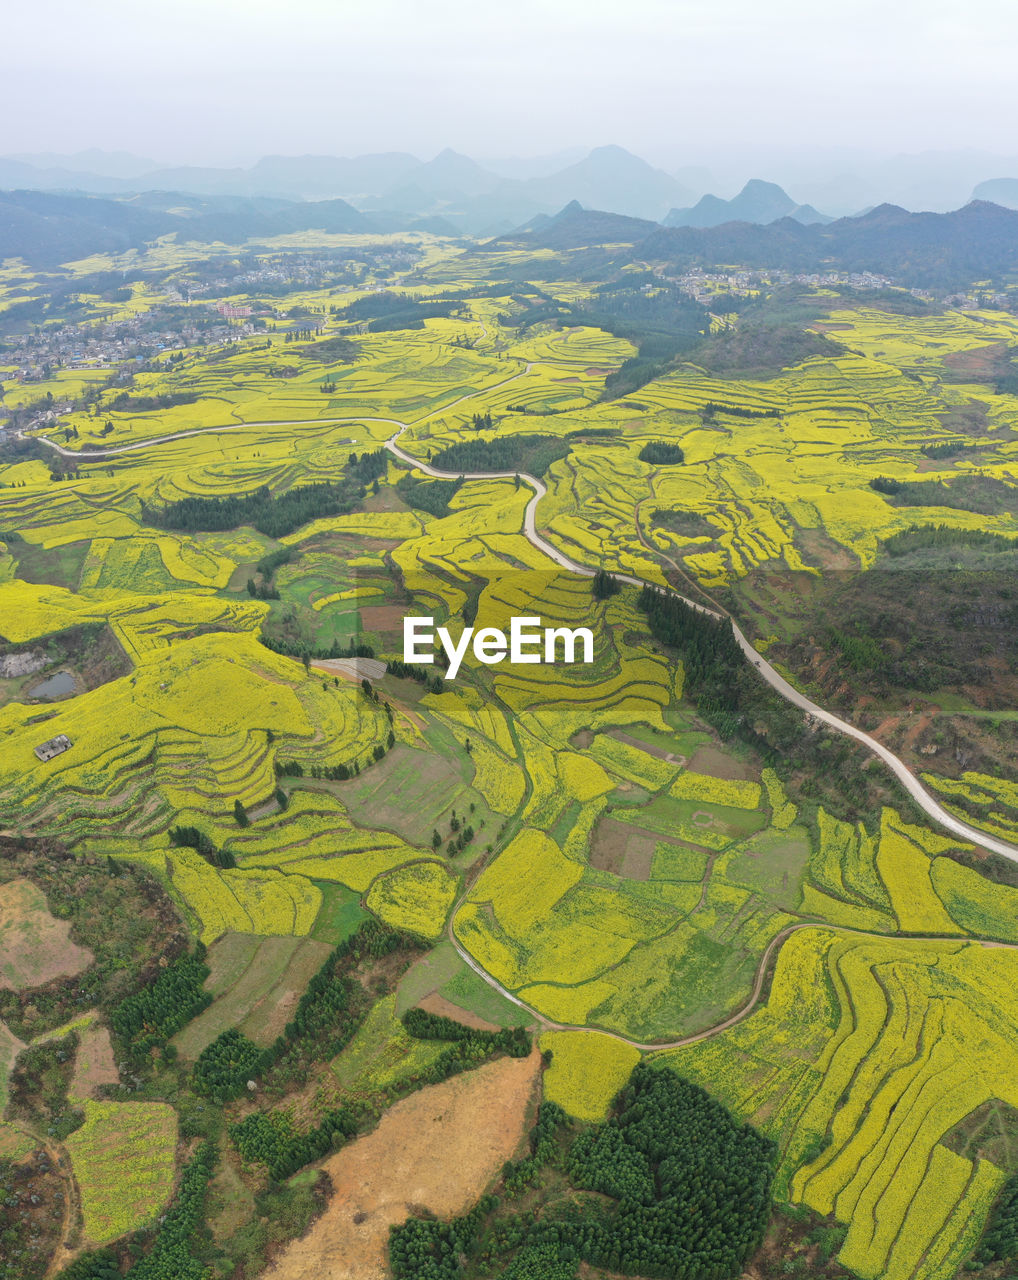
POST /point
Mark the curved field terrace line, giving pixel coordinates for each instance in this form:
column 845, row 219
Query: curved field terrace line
column 694, row 1037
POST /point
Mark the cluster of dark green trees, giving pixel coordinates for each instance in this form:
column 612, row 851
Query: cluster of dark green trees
column 941, row 536
column 302, row 335
column 371, row 465
column 482, row 421
column 182, row 837
column 945, row 449
column 604, row 585
column 1000, row 1242
column 224, row 1067
column 518, row 1175
column 390, row 310
column 985, row 495
column 406, row 671
column 333, row 350
column 425, row 1249
column 532, row 453
column 692, row 1183
column 269, row 1137
column 683, row 1193
column 661, row 453
column 710, row 653
column 432, row 496
column 151, row 1016
column 273, row 516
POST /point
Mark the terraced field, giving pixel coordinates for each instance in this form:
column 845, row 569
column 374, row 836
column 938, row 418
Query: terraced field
column 631, row 879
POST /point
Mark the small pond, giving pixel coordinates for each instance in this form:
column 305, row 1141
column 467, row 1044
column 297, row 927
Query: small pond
column 57, row 686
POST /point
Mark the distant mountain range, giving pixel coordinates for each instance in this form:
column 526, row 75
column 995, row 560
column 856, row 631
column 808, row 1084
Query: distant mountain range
column 935, row 250
column 491, row 197
column 925, row 250
column 473, row 199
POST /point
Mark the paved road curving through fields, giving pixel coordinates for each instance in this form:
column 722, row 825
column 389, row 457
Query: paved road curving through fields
column 905, row 776
column 931, row 807
column 902, row 772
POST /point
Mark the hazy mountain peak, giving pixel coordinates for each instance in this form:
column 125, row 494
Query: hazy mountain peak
column 759, row 202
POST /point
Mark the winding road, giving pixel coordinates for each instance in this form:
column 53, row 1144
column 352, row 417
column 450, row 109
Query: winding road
column 931, row 807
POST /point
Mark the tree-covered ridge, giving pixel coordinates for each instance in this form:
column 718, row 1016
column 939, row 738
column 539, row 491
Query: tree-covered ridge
column 938, row 537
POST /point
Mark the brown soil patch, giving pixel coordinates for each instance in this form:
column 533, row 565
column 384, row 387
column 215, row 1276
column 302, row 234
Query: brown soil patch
column 382, row 617
column 715, row 763
column 621, row 849
column 596, row 371
column 35, row 947
column 981, row 363
column 436, row 1150
column 823, row 552
column 434, row 1003
column 582, row 738
column 94, row 1064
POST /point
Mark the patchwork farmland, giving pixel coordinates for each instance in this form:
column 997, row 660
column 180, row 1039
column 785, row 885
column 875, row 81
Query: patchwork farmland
column 649, row 858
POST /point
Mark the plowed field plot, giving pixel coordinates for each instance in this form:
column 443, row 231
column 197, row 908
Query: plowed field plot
column 94, row 1064
column 34, row 945
column 257, row 983
column 434, row 1151
column 623, row 850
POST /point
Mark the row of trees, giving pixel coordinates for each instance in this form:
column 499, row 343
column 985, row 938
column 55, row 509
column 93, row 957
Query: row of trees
column 533, row 453
column 273, row 516
column 298, row 649
column 406, row 671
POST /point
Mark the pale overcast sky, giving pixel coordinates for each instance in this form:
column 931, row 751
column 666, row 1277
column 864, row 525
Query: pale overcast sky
column 224, row 81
